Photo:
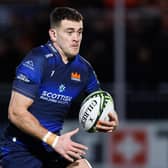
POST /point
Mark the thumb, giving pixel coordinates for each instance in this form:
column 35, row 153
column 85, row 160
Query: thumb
column 112, row 115
column 73, row 132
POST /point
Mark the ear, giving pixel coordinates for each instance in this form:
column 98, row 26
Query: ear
column 52, row 34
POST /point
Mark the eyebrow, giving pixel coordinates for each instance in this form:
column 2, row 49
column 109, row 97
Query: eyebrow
column 70, row 28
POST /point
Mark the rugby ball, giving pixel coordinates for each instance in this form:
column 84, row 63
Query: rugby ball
column 95, row 107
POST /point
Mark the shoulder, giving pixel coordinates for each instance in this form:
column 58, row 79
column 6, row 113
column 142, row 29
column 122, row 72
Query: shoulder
column 37, row 59
column 39, row 55
column 38, row 52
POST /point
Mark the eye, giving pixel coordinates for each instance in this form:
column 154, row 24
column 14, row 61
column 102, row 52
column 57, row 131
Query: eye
column 69, row 32
column 80, row 32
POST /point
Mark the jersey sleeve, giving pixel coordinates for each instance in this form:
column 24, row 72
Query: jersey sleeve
column 92, row 83
column 29, row 75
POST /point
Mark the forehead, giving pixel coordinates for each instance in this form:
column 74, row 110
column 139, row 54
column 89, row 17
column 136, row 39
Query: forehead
column 67, row 24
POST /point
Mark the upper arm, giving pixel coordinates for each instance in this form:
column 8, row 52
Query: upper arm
column 92, row 82
column 19, row 103
column 29, row 74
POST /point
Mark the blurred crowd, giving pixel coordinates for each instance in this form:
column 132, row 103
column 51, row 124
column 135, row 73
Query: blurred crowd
column 25, row 25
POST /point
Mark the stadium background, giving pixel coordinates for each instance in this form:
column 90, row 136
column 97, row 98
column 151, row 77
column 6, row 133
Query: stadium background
column 127, row 44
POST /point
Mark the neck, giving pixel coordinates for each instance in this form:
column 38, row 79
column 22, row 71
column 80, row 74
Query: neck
column 62, row 54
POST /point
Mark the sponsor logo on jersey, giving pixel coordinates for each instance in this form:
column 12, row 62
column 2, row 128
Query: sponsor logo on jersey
column 55, row 98
column 23, row 78
column 29, row 64
column 62, row 88
column 75, row 76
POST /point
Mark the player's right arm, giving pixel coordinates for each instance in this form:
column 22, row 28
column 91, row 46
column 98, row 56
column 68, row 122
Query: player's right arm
column 19, row 115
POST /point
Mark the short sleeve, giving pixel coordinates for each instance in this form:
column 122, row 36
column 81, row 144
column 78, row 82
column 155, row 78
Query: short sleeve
column 28, row 75
column 92, row 83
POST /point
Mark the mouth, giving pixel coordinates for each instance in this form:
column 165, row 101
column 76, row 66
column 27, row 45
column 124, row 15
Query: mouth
column 75, row 46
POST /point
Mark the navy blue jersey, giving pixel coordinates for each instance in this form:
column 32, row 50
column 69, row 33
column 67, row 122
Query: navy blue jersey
column 52, row 84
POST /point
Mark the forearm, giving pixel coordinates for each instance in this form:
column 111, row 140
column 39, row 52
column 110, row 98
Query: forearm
column 27, row 123
column 23, row 119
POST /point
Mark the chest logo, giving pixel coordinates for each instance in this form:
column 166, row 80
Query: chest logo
column 75, row 76
column 62, row 88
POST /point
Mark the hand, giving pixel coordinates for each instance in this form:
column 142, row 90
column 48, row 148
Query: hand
column 108, row 126
column 68, row 148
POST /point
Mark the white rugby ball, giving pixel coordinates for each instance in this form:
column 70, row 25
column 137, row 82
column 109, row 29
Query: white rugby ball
column 95, row 107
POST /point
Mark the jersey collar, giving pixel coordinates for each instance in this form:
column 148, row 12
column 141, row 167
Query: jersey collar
column 55, row 51
column 51, row 47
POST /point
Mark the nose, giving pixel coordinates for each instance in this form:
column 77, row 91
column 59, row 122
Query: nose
column 76, row 36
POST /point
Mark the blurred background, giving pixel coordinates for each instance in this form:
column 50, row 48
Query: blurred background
column 126, row 41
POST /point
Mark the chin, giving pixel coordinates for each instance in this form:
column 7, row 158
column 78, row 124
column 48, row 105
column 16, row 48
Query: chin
column 75, row 51
column 72, row 54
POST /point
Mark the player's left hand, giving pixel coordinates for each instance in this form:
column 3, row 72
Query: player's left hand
column 108, row 126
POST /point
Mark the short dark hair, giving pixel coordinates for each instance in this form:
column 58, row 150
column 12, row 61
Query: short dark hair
column 61, row 13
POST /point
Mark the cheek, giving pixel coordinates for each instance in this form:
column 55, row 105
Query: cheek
column 62, row 42
column 65, row 39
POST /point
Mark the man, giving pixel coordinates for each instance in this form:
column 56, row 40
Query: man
column 47, row 81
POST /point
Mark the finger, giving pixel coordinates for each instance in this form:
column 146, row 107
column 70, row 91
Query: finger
column 105, row 128
column 74, row 155
column 79, row 146
column 66, row 156
column 110, row 131
column 81, row 152
column 113, row 116
column 73, row 132
column 106, row 123
column 113, row 129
